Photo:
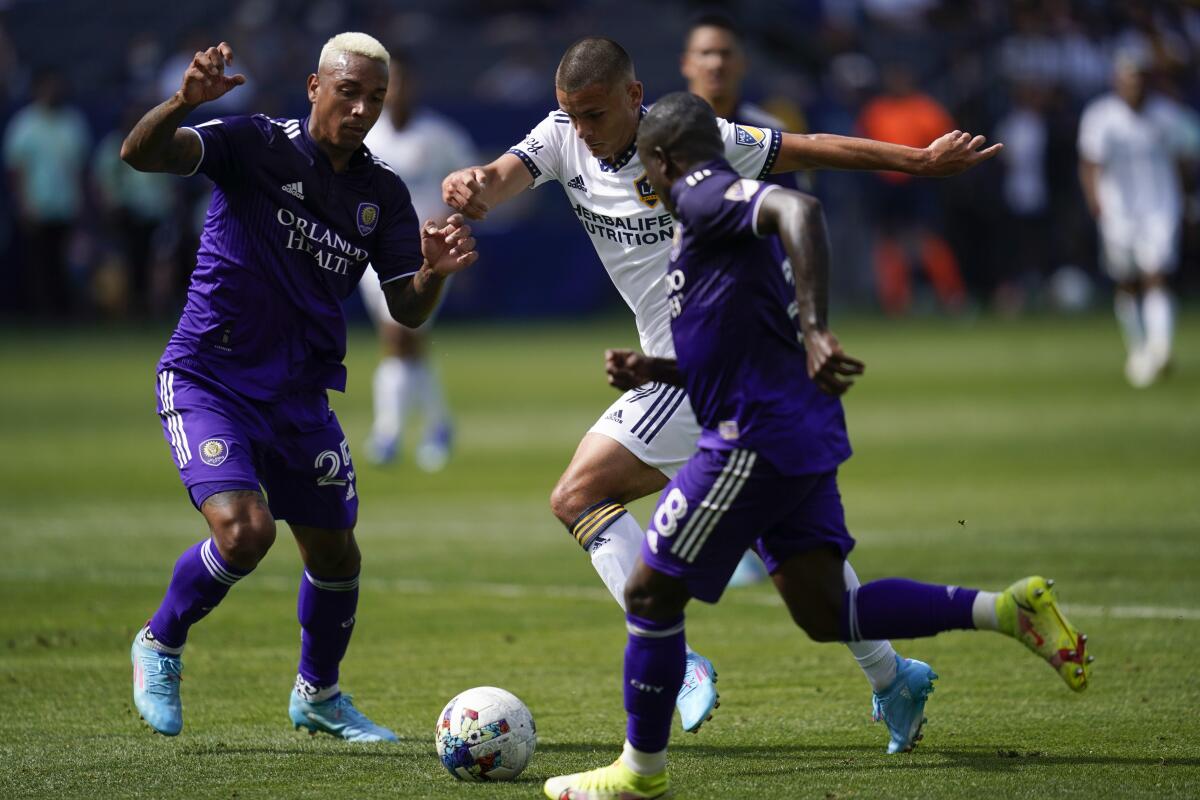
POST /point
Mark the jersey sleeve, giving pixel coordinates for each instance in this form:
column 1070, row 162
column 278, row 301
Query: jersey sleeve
column 541, row 151
column 397, row 252
column 751, row 150
column 1091, row 134
column 225, row 144
column 710, row 212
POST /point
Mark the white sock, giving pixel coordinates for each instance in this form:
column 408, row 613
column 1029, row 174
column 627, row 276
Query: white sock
column 615, row 553
column 427, row 393
column 644, row 764
column 315, row 694
column 146, row 639
column 983, row 611
column 389, row 390
column 877, row 659
column 1158, row 312
column 1125, row 305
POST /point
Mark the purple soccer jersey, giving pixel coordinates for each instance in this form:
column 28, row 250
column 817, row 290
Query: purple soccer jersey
column 736, row 342
column 286, row 239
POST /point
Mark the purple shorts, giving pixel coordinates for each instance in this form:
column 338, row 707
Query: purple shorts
column 294, row 449
column 724, row 502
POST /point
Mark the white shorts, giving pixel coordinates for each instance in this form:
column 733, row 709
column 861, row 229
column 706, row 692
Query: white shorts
column 1147, row 247
column 376, row 303
column 656, row 423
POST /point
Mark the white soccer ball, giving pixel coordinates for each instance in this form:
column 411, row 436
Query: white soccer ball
column 485, row 734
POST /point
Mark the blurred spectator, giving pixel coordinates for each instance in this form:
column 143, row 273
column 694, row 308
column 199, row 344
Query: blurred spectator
column 45, row 152
column 906, row 209
column 134, row 206
column 1132, row 146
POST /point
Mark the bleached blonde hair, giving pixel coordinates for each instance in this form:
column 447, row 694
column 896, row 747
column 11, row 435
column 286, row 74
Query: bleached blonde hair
column 359, row 44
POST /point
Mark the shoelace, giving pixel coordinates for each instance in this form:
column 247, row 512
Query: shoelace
column 158, row 680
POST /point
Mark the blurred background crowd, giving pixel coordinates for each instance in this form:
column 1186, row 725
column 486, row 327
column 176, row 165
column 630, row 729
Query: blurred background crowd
column 83, row 235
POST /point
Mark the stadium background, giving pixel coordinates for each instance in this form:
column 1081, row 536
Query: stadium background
column 991, row 440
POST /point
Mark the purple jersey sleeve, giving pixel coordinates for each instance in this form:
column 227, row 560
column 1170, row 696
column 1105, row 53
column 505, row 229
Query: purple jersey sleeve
column 221, row 140
column 713, row 209
column 398, row 248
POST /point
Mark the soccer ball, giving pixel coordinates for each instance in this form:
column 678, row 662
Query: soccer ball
column 485, row 734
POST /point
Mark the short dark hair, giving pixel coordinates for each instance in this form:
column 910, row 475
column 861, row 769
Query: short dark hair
column 684, row 126
column 712, row 19
column 592, row 60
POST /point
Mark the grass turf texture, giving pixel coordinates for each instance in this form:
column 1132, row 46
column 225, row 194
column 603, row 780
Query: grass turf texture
column 984, row 453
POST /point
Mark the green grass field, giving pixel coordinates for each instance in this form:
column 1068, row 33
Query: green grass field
column 983, row 452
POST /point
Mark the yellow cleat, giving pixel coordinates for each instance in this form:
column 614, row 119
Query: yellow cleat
column 1028, row 611
column 614, row 782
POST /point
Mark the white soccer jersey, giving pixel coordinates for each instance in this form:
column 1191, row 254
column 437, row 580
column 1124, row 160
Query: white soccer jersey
column 1137, row 153
column 628, row 224
column 426, row 150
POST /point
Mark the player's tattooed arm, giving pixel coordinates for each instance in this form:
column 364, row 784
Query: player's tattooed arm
column 629, row 369
column 948, row 155
column 447, row 249
column 156, row 144
column 799, row 221
column 476, row 190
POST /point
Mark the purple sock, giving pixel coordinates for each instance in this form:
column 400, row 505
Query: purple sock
column 326, row 611
column 896, row 608
column 200, row 581
column 654, row 664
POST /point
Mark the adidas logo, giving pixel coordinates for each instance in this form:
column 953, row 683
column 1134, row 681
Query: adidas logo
column 577, row 183
column 615, row 417
column 295, row 189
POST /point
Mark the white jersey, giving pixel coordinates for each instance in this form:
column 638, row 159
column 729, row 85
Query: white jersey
column 1137, row 153
column 628, row 224
column 426, row 150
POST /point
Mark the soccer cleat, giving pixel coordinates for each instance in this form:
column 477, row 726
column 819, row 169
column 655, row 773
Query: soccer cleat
column 156, row 678
column 1028, row 611
column 902, row 705
column 698, row 695
column 434, row 451
column 382, row 450
column 614, row 782
column 750, row 570
column 337, row 717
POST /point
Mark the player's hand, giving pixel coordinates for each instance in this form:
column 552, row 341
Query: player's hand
column 955, row 152
column 449, row 248
column 627, row 369
column 462, row 190
column 828, row 366
column 205, row 78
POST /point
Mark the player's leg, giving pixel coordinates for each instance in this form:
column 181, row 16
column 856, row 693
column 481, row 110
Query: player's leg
column 1156, row 256
column 390, row 391
column 1127, row 304
column 309, row 478
column 219, row 475
column 427, row 395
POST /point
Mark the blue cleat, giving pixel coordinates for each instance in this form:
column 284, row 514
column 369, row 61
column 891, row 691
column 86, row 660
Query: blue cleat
column 337, row 717
column 382, row 450
column 156, row 678
column 434, row 451
column 902, row 705
column 698, row 696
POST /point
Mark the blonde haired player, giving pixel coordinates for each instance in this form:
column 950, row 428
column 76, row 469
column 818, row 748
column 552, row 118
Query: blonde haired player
column 588, row 147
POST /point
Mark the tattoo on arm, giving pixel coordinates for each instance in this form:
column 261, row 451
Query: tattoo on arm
column 157, row 145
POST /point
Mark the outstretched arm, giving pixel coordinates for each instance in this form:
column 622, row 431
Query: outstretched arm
column 799, row 222
column 948, row 155
column 446, row 250
column 476, row 190
column 156, row 144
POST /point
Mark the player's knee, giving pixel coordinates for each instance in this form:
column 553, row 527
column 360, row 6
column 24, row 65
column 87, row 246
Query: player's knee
column 644, row 597
column 570, row 498
column 820, row 617
column 245, row 537
column 338, row 555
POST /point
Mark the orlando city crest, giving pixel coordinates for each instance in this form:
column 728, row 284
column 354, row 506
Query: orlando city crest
column 214, row 452
column 645, row 191
column 367, row 218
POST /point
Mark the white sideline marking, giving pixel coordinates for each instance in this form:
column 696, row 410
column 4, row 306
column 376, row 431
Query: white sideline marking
column 422, row 587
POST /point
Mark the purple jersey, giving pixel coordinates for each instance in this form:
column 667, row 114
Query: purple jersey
column 737, row 345
column 285, row 240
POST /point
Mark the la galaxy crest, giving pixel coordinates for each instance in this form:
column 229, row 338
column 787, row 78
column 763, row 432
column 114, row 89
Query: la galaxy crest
column 214, row 452
column 367, row 218
column 645, row 191
column 749, row 136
